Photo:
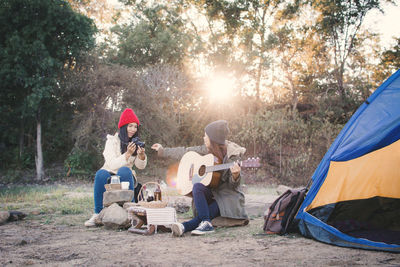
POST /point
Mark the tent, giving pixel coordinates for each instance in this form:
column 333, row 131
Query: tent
column 354, row 199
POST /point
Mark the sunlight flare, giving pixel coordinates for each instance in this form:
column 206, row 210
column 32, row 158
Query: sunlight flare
column 171, row 175
column 220, row 87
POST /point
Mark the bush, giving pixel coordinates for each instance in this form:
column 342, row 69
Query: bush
column 80, row 163
column 290, row 147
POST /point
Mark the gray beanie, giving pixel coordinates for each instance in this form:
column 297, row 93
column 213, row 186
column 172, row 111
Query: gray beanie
column 217, row 131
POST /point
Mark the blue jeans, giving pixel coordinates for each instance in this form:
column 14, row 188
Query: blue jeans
column 206, row 206
column 100, row 180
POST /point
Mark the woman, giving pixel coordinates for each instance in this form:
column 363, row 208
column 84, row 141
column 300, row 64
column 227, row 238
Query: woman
column 225, row 200
column 120, row 154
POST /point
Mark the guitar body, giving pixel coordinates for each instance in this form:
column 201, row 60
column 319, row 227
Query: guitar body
column 191, row 170
column 194, row 168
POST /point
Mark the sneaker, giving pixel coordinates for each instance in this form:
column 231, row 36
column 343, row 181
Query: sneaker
column 205, row 227
column 177, row 229
column 91, row 222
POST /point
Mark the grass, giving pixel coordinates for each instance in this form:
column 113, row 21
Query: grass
column 48, row 204
column 187, row 215
column 27, row 194
column 71, row 205
column 261, row 190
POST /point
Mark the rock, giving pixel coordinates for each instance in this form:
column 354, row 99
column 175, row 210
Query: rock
column 115, row 217
column 99, row 220
column 35, row 212
column 16, row 216
column 228, row 222
column 28, row 262
column 117, row 196
column 182, row 204
column 282, row 189
column 127, row 205
column 23, row 240
column 4, row 215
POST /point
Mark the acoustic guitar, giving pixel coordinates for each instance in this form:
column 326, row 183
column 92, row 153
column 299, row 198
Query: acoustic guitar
column 195, row 168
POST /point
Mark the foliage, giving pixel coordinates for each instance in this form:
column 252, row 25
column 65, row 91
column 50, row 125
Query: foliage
column 290, row 147
column 39, row 39
column 82, row 162
column 301, row 69
column 49, row 203
column 102, row 91
column 390, row 60
column 339, row 22
column 155, row 36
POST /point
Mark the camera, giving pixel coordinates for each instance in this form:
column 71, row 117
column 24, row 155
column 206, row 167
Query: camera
column 137, row 142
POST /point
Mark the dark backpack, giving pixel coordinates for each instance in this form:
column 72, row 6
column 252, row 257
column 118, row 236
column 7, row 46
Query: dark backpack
column 280, row 215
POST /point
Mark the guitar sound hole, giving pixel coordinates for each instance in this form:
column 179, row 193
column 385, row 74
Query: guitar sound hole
column 202, row 170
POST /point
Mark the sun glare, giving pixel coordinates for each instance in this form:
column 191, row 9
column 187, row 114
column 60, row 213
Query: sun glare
column 220, row 87
column 171, row 175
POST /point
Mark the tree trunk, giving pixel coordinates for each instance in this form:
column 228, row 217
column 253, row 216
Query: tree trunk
column 340, row 84
column 39, row 153
column 21, row 140
column 295, row 98
column 260, row 65
column 258, row 81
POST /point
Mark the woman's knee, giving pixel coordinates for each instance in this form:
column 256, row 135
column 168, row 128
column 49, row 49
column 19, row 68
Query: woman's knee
column 125, row 173
column 198, row 187
column 101, row 175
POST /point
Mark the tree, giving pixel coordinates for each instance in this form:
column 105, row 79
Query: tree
column 102, row 11
column 39, row 40
column 244, row 42
column 391, row 57
column 255, row 38
column 155, row 35
column 340, row 21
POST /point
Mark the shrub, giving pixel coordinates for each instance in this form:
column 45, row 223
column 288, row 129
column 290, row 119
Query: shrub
column 80, row 163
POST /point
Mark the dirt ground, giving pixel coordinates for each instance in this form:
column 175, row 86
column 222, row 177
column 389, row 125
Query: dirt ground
column 30, row 242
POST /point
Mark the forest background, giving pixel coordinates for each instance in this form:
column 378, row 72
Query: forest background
column 285, row 74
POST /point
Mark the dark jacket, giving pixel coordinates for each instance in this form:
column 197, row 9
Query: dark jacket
column 229, row 198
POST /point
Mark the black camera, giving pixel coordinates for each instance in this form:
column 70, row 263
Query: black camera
column 137, row 142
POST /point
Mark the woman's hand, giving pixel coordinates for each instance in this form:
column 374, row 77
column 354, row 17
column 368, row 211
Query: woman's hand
column 140, row 152
column 156, row 146
column 130, row 149
column 235, row 170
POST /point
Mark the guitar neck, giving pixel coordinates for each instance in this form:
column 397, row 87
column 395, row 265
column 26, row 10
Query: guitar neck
column 219, row 167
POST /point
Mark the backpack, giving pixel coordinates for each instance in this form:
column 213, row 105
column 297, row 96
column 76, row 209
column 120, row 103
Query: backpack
column 280, row 215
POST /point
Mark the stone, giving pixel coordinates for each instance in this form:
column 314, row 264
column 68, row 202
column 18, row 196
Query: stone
column 128, row 205
column 182, row 204
column 35, row 212
column 16, row 215
column 99, row 220
column 115, row 217
column 4, row 215
column 23, row 240
column 282, row 189
column 228, row 222
column 117, row 196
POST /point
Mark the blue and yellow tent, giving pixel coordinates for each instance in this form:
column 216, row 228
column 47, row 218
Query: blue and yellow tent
column 354, row 199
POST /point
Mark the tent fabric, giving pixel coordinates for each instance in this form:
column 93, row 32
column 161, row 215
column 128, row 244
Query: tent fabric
column 375, row 125
column 374, row 174
column 375, row 219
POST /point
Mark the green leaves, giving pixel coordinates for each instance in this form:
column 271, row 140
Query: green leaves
column 41, row 36
column 39, row 40
column 158, row 37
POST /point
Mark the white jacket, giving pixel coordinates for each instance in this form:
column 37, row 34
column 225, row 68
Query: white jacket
column 115, row 160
